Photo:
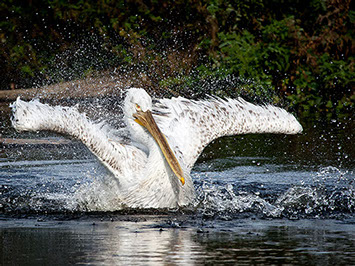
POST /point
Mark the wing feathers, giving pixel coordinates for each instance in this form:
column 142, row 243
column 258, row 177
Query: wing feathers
column 119, row 158
column 190, row 125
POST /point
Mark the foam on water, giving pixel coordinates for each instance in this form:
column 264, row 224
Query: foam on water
column 85, row 186
column 329, row 194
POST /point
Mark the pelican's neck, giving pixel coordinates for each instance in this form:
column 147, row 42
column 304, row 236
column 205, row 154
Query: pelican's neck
column 158, row 185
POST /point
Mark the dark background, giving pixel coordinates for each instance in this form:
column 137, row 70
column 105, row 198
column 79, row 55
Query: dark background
column 298, row 52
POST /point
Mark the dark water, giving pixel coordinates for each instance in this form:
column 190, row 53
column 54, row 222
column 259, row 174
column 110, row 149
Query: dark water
column 263, row 199
column 147, row 241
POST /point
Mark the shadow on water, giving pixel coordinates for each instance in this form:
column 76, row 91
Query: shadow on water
column 269, row 199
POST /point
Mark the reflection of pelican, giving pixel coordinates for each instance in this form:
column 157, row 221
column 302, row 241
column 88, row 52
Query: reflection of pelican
column 170, row 135
column 142, row 243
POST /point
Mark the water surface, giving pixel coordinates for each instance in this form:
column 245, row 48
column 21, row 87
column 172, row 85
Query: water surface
column 268, row 199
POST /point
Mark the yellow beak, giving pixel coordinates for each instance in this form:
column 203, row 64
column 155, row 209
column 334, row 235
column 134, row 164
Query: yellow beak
column 146, row 120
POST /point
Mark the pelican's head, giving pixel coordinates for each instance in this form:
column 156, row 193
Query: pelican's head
column 136, row 98
column 138, row 113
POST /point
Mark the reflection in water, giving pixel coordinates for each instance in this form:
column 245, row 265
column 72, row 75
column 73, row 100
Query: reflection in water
column 108, row 243
column 132, row 244
column 144, row 243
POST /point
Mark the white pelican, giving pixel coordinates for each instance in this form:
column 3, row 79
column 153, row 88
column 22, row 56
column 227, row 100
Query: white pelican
column 171, row 134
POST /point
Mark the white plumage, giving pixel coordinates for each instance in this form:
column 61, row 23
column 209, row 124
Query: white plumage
column 148, row 177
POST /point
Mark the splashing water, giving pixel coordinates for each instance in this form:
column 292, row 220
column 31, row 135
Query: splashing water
column 322, row 198
column 86, row 186
column 268, row 179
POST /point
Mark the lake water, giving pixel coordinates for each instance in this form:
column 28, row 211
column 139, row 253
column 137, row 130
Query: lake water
column 263, row 199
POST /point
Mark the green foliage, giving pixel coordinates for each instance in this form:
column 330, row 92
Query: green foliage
column 255, row 58
column 295, row 50
column 315, row 72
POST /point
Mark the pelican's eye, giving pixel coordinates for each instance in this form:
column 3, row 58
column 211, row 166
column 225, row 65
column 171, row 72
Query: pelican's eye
column 138, row 107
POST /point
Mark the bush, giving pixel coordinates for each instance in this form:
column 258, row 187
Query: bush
column 295, row 50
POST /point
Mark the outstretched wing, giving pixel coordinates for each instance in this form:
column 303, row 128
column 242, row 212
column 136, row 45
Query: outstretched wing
column 121, row 159
column 190, row 125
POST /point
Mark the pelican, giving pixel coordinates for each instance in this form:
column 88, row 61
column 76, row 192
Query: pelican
column 166, row 138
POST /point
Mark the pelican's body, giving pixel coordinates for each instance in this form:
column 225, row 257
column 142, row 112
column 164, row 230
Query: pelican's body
column 171, row 135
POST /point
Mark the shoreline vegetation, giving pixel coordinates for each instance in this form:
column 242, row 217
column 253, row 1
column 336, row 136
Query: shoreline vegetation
column 277, row 51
